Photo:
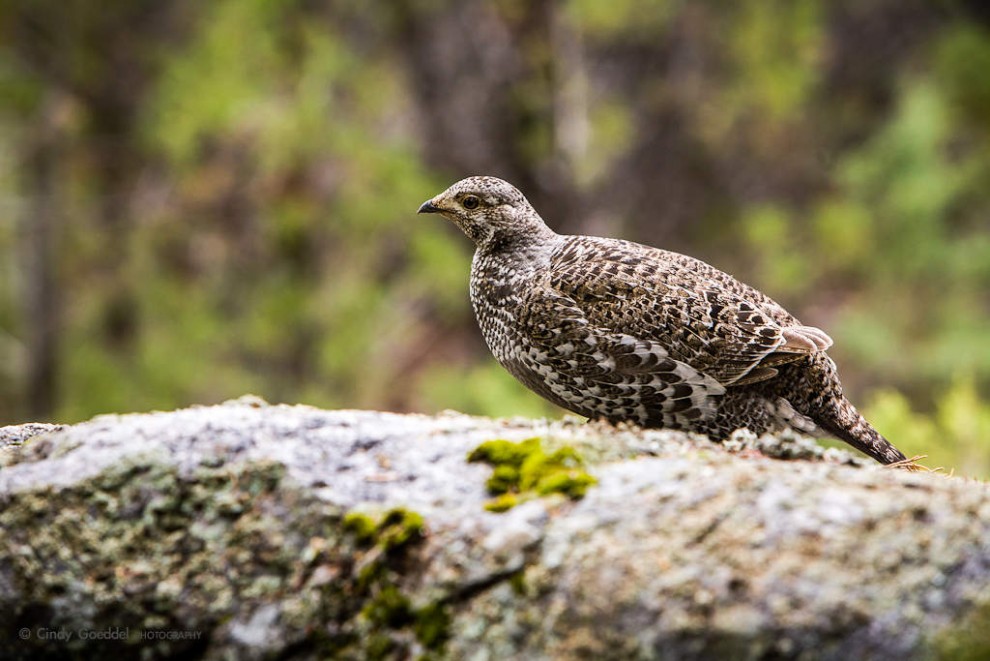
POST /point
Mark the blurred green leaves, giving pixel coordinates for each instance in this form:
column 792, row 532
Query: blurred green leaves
column 776, row 48
column 906, row 193
column 288, row 260
column 483, row 390
column 770, row 235
column 962, row 59
column 953, row 437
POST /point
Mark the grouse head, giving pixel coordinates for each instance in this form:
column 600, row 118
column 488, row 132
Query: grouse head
column 489, row 210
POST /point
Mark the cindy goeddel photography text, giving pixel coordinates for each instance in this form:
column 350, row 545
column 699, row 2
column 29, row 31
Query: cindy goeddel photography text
column 123, row 634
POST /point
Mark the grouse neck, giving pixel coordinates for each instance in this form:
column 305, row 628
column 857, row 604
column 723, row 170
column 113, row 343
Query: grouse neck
column 533, row 241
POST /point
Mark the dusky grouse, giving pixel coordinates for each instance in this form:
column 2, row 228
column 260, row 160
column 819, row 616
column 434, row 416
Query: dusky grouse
column 620, row 331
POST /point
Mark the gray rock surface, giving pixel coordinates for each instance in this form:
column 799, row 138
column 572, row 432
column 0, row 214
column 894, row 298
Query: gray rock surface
column 15, row 435
column 254, row 531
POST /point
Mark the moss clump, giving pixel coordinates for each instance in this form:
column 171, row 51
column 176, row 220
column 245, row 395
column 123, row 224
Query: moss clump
column 523, row 469
column 389, row 608
column 385, row 541
column 501, row 452
column 502, row 503
column 395, row 529
column 518, row 583
column 432, row 625
column 399, row 527
column 573, row 484
column 362, row 526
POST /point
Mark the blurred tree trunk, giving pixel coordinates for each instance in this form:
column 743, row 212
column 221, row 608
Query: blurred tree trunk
column 42, row 309
column 118, row 162
column 503, row 105
column 570, row 93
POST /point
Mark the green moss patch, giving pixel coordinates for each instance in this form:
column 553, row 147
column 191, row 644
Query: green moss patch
column 395, row 529
column 383, row 543
column 525, row 469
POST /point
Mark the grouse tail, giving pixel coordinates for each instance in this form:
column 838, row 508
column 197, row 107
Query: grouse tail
column 846, row 423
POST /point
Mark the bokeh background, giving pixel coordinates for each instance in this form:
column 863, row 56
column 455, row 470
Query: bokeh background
column 204, row 199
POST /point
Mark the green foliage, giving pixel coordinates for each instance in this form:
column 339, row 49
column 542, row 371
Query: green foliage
column 776, row 51
column 523, row 469
column 954, row 437
column 486, row 389
column 767, row 230
column 614, row 134
column 962, row 58
column 924, row 257
column 627, row 19
column 311, row 301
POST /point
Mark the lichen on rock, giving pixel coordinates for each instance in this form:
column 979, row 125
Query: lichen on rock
column 291, row 532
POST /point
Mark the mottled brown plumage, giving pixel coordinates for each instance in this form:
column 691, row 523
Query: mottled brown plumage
column 620, row 331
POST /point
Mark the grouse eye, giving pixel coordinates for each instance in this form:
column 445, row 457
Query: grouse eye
column 471, row 202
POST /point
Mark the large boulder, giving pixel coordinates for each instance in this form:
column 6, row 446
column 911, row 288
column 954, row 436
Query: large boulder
column 252, row 531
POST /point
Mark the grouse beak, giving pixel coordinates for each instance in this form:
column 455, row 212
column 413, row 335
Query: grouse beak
column 428, row 207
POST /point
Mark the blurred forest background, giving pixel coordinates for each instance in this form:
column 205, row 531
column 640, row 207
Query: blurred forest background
column 204, row 199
